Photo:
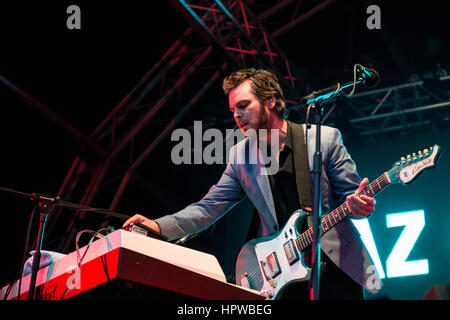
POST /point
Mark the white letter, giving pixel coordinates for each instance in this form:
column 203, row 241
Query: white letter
column 396, row 264
column 73, row 21
column 198, row 134
column 364, row 230
column 226, row 309
column 74, row 281
column 373, row 281
column 373, row 21
column 184, row 146
column 269, row 311
column 230, row 137
column 216, row 146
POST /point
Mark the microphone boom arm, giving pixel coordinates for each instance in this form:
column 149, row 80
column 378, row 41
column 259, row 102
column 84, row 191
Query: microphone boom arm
column 370, row 77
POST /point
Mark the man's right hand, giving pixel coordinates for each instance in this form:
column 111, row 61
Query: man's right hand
column 143, row 220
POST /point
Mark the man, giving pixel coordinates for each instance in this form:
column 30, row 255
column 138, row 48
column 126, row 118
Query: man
column 257, row 102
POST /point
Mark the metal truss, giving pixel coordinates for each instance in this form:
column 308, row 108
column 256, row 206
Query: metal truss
column 223, row 36
column 125, row 133
column 393, row 109
column 238, row 31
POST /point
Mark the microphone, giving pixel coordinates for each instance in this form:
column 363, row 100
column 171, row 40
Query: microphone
column 370, row 77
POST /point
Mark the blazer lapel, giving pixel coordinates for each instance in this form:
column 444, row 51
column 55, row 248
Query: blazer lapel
column 263, row 184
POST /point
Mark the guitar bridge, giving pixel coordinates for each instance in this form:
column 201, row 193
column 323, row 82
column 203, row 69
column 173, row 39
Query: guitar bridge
column 244, row 281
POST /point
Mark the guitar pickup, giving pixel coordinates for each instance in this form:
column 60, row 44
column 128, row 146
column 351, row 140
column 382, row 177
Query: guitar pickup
column 291, row 252
column 272, row 266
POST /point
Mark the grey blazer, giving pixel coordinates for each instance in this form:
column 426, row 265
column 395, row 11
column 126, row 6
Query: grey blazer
column 339, row 178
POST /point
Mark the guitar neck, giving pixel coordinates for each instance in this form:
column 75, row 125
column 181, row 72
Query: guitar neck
column 338, row 214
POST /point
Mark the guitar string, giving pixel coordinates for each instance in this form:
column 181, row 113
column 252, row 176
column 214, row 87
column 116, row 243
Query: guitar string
column 304, row 239
column 383, row 178
column 306, row 235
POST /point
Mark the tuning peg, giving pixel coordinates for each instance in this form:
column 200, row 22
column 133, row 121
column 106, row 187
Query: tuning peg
column 425, row 150
column 414, row 154
column 419, row 152
column 408, row 156
column 402, row 158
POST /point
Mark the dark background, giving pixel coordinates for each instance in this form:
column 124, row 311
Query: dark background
column 82, row 74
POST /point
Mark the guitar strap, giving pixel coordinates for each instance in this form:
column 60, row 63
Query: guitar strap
column 301, row 167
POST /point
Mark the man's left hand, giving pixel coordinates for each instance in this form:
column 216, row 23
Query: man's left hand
column 361, row 206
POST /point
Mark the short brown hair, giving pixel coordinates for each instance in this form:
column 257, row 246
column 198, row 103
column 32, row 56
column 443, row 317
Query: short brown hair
column 264, row 85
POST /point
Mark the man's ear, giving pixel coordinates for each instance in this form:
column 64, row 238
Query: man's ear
column 270, row 103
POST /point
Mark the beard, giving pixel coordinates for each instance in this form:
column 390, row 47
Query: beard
column 265, row 136
column 263, row 118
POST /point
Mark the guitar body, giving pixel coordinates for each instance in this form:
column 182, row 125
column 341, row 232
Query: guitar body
column 271, row 264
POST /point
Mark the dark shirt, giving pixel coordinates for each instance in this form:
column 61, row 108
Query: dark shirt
column 283, row 184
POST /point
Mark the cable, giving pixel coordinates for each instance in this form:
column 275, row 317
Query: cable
column 77, row 273
column 354, row 82
column 338, row 87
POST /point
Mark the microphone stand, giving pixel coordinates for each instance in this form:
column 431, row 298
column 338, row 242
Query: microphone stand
column 43, row 204
column 317, row 208
column 316, row 100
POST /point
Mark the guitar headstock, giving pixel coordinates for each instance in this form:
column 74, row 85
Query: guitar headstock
column 407, row 169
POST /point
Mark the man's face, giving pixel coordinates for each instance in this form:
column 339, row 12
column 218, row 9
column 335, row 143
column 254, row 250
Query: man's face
column 248, row 111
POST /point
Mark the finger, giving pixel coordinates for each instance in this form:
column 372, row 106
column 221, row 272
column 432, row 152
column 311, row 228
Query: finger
column 362, row 185
column 133, row 219
column 358, row 208
column 356, row 202
column 363, row 202
column 357, row 215
column 364, row 212
column 361, row 213
column 368, row 200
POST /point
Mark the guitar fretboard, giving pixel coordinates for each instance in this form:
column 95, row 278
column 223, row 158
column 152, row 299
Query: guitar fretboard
column 336, row 216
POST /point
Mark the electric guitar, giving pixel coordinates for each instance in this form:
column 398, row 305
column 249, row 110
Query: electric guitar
column 270, row 264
